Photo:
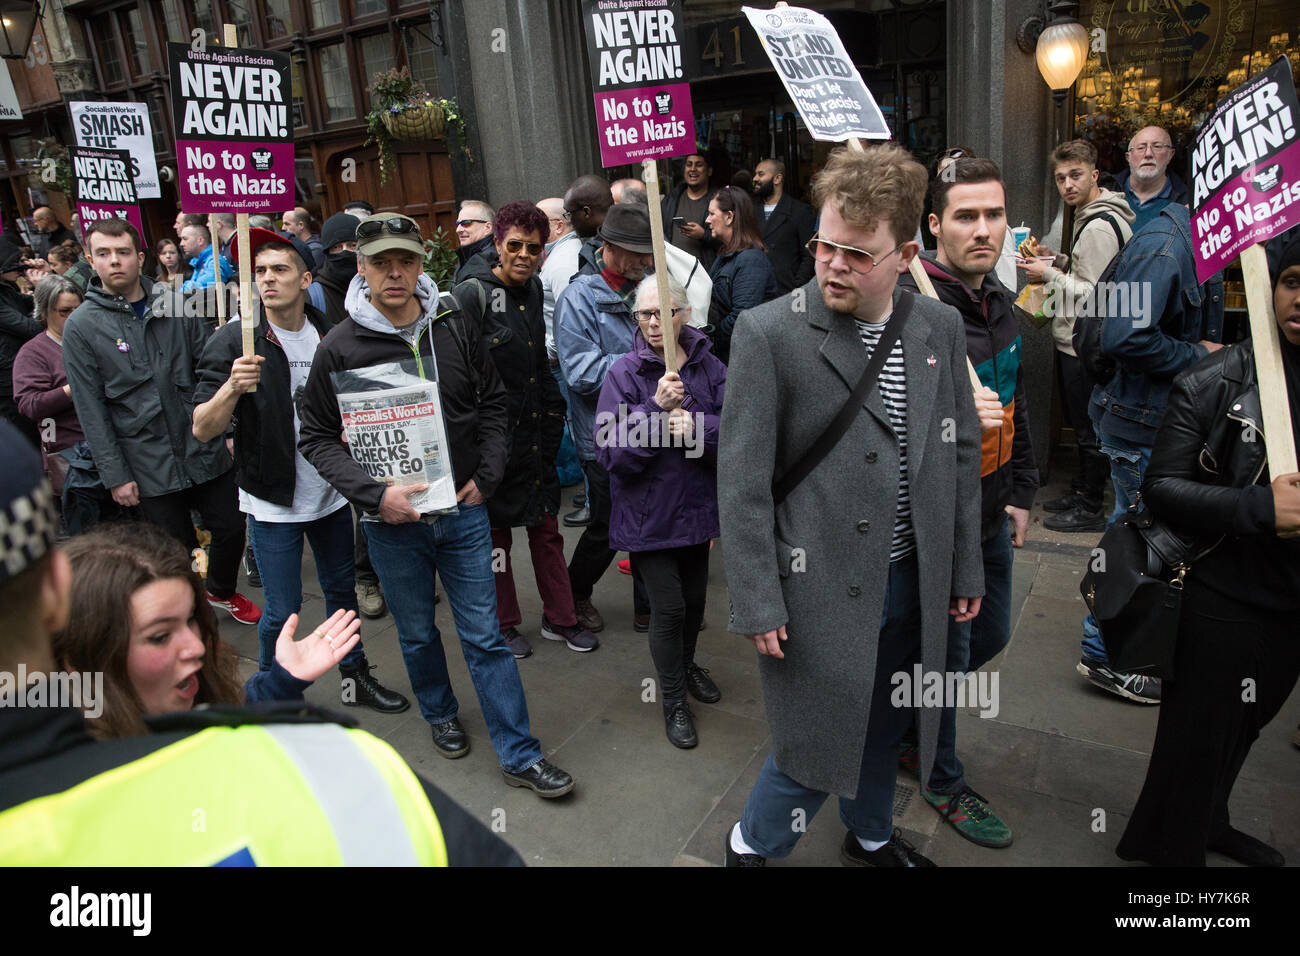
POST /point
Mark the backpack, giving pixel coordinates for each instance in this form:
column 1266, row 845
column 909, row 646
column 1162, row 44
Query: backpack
column 1086, row 337
column 458, row 324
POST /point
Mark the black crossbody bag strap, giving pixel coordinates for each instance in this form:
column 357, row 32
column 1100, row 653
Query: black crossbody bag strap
column 828, row 439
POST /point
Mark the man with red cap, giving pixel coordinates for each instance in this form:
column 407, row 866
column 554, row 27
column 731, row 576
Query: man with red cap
column 284, row 496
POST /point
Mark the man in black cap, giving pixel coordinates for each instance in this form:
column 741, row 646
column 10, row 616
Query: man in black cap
column 94, row 816
column 285, row 498
column 594, row 327
column 339, row 239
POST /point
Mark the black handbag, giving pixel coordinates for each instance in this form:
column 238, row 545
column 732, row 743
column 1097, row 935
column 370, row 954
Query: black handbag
column 1134, row 589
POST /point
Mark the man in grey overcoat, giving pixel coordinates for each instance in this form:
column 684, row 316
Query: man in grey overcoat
column 852, row 578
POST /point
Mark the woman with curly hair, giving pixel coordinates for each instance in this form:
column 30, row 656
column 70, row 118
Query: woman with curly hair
column 66, row 260
column 503, row 288
column 139, row 616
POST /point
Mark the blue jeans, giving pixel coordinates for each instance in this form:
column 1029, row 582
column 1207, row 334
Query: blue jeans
column 278, row 549
column 771, row 809
column 1128, row 465
column 971, row 646
column 458, row 548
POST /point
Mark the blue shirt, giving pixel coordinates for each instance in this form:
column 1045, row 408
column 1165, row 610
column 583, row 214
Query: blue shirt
column 1147, row 211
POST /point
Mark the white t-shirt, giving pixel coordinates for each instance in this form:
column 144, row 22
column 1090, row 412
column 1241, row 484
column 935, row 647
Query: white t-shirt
column 313, row 496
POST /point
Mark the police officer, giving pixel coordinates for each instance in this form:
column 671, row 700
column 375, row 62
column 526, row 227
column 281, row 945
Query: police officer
column 232, row 787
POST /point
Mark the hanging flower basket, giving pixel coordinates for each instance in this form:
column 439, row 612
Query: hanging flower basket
column 404, row 110
column 426, row 121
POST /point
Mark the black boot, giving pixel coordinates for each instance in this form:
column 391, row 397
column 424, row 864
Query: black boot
column 365, row 691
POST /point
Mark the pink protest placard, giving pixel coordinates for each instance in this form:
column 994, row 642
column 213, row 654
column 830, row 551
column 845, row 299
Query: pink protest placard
column 642, row 99
column 103, row 186
column 231, row 107
column 1246, row 169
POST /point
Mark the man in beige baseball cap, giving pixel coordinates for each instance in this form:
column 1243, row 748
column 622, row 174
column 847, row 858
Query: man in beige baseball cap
column 394, row 315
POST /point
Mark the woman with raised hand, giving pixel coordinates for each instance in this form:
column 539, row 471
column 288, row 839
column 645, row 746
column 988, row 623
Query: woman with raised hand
column 139, row 617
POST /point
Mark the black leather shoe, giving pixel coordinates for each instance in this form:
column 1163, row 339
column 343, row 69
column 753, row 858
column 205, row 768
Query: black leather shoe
column 1077, row 519
column 1063, row 503
column 368, row 692
column 897, row 852
column 576, row 519
column 732, row 858
column 641, row 623
column 450, row 739
column 579, row 501
column 679, row 724
column 543, row 778
column 1244, row 848
column 701, row 686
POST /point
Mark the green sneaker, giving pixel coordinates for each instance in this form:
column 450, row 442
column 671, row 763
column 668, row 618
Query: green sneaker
column 971, row 816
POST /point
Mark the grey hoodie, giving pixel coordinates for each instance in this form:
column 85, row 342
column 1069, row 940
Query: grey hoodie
column 357, row 303
column 1093, row 247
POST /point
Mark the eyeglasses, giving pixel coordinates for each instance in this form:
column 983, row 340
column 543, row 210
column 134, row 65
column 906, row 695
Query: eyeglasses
column 859, row 260
column 652, row 315
column 1150, row 147
column 466, row 223
column 396, row 226
column 954, row 154
column 514, row 245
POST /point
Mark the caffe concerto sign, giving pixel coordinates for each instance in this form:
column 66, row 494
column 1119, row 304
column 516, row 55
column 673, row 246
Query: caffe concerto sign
column 1188, row 46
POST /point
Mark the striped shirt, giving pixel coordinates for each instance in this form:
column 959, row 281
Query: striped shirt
column 893, row 391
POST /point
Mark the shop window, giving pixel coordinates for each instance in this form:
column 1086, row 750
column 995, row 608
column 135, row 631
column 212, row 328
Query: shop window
column 104, row 40
column 200, row 15
column 159, row 125
column 376, row 56
column 299, row 100
column 279, row 20
column 324, row 13
column 336, row 81
column 172, row 22
column 137, row 45
column 238, row 13
column 420, row 56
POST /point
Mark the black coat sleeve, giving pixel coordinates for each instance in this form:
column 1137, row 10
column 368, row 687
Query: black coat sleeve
column 493, row 420
column 805, row 224
column 469, row 843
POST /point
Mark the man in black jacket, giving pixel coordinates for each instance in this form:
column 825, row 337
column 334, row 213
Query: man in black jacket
column 969, row 220
column 284, row 497
column 394, row 316
column 131, row 360
column 97, row 816
column 787, row 224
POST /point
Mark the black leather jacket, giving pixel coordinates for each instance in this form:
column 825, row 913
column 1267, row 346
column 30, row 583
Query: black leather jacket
column 1209, row 456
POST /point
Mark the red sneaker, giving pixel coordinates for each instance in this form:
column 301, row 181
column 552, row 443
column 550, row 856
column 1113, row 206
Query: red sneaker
column 625, row 566
column 241, row 608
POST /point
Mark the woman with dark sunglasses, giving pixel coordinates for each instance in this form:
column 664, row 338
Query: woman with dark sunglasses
column 742, row 274
column 503, row 288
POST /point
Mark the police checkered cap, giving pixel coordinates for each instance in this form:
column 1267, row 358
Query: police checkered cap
column 28, row 523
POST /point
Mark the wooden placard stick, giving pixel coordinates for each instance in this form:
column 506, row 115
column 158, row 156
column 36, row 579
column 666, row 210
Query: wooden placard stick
column 922, row 280
column 661, row 264
column 231, row 38
column 1279, row 439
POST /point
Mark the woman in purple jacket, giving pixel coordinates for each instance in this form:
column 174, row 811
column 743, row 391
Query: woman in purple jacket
column 657, row 436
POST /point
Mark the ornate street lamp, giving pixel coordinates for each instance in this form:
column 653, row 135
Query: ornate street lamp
column 17, row 24
column 1059, row 43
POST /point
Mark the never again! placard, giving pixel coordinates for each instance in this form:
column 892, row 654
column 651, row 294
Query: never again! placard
column 231, row 108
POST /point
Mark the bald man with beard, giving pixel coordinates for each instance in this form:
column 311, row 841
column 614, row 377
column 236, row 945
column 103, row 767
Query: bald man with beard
column 1147, row 183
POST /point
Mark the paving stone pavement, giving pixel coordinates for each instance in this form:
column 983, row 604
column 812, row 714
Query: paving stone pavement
column 1062, row 762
